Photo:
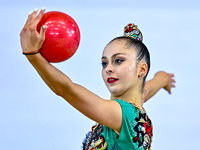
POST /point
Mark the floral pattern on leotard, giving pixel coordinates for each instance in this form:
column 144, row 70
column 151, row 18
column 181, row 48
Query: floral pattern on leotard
column 144, row 130
column 94, row 140
column 136, row 132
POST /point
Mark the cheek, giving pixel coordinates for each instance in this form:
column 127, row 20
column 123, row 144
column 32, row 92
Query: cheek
column 103, row 75
column 132, row 69
column 124, row 73
column 128, row 72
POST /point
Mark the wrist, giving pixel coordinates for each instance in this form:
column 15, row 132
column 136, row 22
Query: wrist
column 162, row 78
column 31, row 53
column 33, row 57
column 37, row 59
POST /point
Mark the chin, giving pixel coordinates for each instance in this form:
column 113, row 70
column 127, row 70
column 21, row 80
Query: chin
column 116, row 92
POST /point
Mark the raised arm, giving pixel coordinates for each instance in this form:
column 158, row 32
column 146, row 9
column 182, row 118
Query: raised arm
column 82, row 99
column 161, row 80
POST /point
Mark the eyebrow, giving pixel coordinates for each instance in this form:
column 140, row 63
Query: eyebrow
column 114, row 55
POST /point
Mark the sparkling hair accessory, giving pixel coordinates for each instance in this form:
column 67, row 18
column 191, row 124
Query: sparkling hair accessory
column 131, row 30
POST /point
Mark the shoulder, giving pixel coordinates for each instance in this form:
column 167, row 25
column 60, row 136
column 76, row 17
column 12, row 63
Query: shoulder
column 127, row 107
column 123, row 103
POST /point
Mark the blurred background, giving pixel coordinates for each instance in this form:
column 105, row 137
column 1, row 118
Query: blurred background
column 32, row 117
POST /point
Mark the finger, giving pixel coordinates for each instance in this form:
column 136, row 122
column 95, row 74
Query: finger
column 169, row 92
column 31, row 17
column 39, row 16
column 173, row 85
column 171, row 74
column 28, row 19
column 34, row 13
column 42, row 31
column 172, row 80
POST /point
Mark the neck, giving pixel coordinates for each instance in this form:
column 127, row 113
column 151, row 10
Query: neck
column 134, row 97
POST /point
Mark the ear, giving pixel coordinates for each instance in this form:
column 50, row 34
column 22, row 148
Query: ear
column 143, row 68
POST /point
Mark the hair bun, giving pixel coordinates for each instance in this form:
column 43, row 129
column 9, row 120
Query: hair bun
column 131, row 30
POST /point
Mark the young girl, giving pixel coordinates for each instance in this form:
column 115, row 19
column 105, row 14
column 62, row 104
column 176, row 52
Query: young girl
column 122, row 122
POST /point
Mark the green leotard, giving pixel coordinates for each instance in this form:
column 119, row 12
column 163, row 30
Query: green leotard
column 136, row 132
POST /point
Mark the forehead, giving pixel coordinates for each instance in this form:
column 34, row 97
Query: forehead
column 117, row 46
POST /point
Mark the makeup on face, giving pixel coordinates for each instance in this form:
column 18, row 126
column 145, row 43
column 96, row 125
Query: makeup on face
column 112, row 80
column 116, row 59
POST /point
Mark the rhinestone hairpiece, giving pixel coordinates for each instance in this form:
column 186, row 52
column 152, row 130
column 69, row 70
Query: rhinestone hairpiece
column 131, row 30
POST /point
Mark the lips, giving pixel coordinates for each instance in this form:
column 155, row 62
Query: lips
column 112, row 80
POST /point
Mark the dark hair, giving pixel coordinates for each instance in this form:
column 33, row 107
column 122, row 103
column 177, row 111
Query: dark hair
column 142, row 52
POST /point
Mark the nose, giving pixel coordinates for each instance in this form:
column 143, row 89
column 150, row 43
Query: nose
column 109, row 69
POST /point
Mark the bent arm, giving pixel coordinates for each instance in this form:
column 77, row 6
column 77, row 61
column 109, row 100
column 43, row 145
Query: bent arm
column 79, row 97
column 161, row 80
column 53, row 77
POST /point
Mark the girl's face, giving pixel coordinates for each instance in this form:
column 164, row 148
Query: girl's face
column 119, row 71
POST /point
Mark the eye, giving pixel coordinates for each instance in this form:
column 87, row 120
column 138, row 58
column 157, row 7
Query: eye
column 104, row 64
column 118, row 61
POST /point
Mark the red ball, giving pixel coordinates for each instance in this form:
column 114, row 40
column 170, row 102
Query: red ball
column 62, row 36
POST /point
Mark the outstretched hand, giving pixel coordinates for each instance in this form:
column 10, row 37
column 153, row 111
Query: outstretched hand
column 31, row 40
column 167, row 79
column 161, row 80
column 170, row 83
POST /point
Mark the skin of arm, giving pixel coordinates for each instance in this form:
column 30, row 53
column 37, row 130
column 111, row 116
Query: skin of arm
column 161, row 80
column 105, row 112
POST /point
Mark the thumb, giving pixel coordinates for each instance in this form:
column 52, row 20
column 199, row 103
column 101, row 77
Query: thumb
column 169, row 91
column 42, row 31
